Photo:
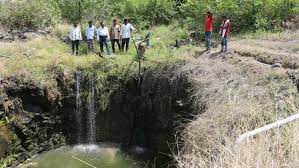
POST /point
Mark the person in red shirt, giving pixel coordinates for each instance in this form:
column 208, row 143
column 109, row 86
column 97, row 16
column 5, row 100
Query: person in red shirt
column 224, row 31
column 208, row 30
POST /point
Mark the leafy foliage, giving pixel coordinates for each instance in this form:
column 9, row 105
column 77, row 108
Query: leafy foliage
column 29, row 13
column 245, row 15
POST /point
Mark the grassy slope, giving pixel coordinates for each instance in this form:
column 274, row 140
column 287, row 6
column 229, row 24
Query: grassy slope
column 241, row 93
column 35, row 59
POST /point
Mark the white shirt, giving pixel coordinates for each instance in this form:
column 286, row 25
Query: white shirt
column 103, row 31
column 90, row 32
column 126, row 30
column 75, row 33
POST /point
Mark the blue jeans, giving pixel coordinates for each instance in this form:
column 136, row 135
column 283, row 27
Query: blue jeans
column 148, row 43
column 224, row 44
column 208, row 37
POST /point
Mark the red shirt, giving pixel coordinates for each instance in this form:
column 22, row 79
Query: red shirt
column 209, row 23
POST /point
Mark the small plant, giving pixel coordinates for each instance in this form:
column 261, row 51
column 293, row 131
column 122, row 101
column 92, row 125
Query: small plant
column 5, row 163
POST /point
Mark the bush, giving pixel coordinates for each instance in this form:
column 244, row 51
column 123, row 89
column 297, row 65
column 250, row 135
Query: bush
column 244, row 15
column 29, row 13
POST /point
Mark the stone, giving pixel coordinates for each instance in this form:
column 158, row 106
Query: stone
column 2, row 114
column 21, row 157
column 276, row 65
column 20, row 149
column 30, row 35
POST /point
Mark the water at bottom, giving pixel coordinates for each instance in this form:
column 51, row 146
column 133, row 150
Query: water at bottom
column 84, row 156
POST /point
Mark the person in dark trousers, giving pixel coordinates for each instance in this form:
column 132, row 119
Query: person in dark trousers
column 115, row 35
column 103, row 38
column 90, row 35
column 126, row 30
column 224, row 31
column 208, row 30
column 75, row 37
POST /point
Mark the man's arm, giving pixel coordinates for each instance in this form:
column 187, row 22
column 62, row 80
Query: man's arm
column 118, row 30
column 70, row 33
column 98, row 35
column 108, row 34
column 132, row 28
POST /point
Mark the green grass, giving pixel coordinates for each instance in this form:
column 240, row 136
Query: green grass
column 37, row 59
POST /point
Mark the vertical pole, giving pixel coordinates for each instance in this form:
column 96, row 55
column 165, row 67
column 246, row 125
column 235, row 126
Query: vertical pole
column 139, row 68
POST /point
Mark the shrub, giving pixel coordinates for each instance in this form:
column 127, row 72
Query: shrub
column 29, row 13
column 244, row 15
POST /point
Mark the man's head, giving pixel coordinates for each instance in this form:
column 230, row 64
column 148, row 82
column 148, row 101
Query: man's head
column 102, row 24
column 224, row 17
column 114, row 21
column 75, row 24
column 209, row 13
column 90, row 23
column 126, row 21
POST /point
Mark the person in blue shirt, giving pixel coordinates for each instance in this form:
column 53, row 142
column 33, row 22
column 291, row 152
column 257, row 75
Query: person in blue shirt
column 90, row 35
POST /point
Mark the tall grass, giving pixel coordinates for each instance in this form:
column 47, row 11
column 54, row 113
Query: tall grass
column 238, row 101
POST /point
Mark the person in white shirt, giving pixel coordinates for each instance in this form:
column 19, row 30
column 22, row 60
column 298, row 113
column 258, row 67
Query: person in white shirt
column 75, row 36
column 90, row 35
column 115, row 35
column 103, row 38
column 126, row 30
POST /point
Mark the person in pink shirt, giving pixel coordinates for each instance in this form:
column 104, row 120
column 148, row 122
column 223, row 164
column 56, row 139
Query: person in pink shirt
column 224, row 31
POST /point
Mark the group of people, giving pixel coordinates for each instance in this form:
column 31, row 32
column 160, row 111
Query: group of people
column 116, row 34
column 120, row 35
column 224, row 31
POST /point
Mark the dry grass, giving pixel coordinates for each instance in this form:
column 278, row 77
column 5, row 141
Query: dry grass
column 282, row 48
column 238, row 101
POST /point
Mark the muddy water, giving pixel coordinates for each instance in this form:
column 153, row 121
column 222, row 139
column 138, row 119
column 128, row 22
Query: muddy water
column 84, row 156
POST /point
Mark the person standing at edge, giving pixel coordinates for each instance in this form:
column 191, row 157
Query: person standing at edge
column 115, row 35
column 75, row 36
column 126, row 30
column 208, row 30
column 103, row 38
column 90, row 34
column 224, row 31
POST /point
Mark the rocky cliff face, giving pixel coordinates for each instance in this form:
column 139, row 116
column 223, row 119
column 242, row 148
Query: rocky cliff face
column 32, row 122
column 146, row 115
column 150, row 115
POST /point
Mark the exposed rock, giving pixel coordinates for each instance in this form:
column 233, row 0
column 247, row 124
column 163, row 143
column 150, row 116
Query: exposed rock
column 24, row 34
column 277, row 65
column 30, row 35
column 34, row 130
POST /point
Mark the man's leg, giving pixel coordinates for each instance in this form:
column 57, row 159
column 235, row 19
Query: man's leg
column 107, row 46
column 206, row 39
column 127, row 44
column 118, row 43
column 225, row 44
column 77, row 47
column 73, row 47
column 123, row 43
column 102, row 44
column 222, row 44
column 210, row 40
column 113, row 45
column 91, row 44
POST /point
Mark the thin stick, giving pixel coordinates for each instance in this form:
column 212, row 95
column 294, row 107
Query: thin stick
column 267, row 127
column 84, row 162
column 4, row 56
